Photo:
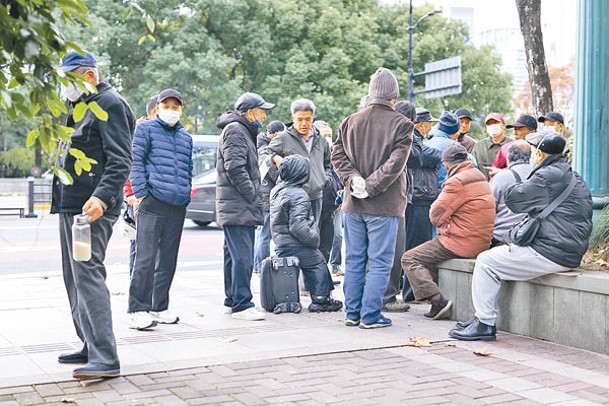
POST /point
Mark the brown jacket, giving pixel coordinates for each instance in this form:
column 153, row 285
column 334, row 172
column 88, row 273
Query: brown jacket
column 465, row 211
column 374, row 143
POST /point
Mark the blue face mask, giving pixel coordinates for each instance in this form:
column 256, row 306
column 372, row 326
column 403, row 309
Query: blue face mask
column 257, row 123
column 532, row 163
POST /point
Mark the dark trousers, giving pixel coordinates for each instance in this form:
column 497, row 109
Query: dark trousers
column 418, row 231
column 313, row 267
column 395, row 278
column 159, row 232
column 87, row 291
column 316, row 209
column 326, row 233
column 421, row 267
column 238, row 264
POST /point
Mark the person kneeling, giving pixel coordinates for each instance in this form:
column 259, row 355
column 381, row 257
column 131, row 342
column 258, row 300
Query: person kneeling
column 295, row 232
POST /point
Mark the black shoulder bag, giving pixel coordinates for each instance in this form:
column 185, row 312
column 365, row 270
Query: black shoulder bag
column 524, row 233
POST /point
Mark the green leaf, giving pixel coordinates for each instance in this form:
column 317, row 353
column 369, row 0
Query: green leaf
column 77, row 168
column 126, row 13
column 75, row 47
column 150, row 23
column 63, row 175
column 31, row 138
column 98, row 111
column 79, row 111
column 141, row 40
column 13, row 83
column 86, row 165
column 76, row 153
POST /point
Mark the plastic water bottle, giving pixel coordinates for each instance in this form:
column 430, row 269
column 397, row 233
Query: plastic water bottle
column 81, row 238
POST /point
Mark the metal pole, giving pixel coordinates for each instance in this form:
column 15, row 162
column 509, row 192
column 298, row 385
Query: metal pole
column 410, row 71
column 30, row 198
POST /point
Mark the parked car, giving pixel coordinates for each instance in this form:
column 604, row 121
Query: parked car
column 202, row 207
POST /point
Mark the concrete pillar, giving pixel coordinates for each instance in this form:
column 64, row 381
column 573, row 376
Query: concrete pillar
column 591, row 149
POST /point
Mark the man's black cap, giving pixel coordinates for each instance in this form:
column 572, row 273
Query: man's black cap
column 423, row 116
column 248, row 101
column 549, row 142
column 552, row 116
column 463, row 113
column 454, row 153
column 170, row 93
column 275, row 127
column 524, row 121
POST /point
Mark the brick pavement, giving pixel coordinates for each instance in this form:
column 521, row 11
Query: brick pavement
column 520, row 371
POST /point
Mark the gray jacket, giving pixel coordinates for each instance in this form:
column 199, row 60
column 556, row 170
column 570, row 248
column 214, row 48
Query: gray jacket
column 563, row 235
column 290, row 142
column 504, row 218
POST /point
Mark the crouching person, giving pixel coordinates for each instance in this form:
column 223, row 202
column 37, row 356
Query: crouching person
column 559, row 198
column 296, row 234
column 464, row 213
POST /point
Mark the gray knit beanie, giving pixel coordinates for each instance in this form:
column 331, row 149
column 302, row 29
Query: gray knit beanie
column 383, row 85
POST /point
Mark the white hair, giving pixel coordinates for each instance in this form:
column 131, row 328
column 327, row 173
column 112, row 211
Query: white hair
column 302, row 105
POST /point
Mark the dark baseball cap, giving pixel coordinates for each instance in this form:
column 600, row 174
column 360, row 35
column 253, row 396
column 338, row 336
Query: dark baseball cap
column 74, row 60
column 168, row 94
column 549, row 142
column 463, row 113
column 423, row 116
column 248, row 101
column 275, row 127
column 454, row 152
column 524, row 121
column 552, row 116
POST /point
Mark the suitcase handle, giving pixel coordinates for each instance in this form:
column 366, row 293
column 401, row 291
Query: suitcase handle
column 287, row 261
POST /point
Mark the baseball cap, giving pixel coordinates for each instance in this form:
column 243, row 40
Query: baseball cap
column 549, row 142
column 552, row 116
column 454, row 152
column 170, row 93
column 275, row 126
column 524, row 121
column 463, row 113
column 423, row 116
column 248, row 101
column 73, row 60
column 494, row 116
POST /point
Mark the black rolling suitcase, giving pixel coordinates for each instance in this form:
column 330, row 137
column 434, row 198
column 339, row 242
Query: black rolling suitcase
column 279, row 285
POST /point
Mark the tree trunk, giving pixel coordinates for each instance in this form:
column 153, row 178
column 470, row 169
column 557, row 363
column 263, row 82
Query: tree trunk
column 529, row 12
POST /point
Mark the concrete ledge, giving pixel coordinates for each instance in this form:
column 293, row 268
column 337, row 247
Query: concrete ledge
column 565, row 309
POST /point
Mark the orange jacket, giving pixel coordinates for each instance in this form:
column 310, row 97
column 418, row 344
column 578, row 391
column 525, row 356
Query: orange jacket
column 465, row 211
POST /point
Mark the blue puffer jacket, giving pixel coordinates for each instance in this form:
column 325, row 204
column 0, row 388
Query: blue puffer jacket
column 162, row 162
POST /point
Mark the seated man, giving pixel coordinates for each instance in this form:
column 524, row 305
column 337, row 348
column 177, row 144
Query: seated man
column 464, row 212
column 560, row 243
column 295, row 232
column 518, row 170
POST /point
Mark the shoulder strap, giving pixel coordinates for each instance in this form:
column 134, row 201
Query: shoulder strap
column 565, row 193
column 518, row 178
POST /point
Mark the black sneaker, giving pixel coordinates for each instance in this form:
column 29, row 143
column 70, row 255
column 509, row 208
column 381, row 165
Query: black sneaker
column 325, row 304
column 351, row 322
column 73, row 358
column 441, row 310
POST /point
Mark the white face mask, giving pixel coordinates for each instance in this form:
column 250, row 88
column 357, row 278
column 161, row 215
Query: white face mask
column 171, row 117
column 494, row 130
column 71, row 92
column 550, row 128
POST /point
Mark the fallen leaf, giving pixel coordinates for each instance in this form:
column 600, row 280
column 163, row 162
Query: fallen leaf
column 199, row 314
column 118, row 293
column 45, row 277
column 229, row 340
column 483, row 352
column 418, row 342
column 451, row 344
column 68, row 400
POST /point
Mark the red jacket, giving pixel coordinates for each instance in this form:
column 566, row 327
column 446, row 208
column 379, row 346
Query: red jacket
column 465, row 211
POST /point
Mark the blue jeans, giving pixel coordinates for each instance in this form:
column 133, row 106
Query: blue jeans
column 337, row 245
column 263, row 241
column 238, row 264
column 370, row 240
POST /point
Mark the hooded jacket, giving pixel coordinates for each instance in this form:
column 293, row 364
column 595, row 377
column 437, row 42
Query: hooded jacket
column 270, row 180
column 162, row 162
column 109, row 143
column 425, row 177
column 464, row 211
column 292, row 221
column 563, row 235
column 290, row 142
column 238, row 200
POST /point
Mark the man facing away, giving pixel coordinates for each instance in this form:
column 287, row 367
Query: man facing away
column 161, row 180
column 238, row 202
column 97, row 193
column 560, row 242
column 464, row 213
column 370, row 158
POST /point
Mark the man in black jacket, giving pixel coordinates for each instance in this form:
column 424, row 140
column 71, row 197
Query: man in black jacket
column 295, row 232
column 98, row 193
column 560, row 242
column 263, row 233
column 238, row 203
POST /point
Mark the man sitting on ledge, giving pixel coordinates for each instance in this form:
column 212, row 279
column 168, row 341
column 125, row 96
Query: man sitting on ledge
column 560, row 242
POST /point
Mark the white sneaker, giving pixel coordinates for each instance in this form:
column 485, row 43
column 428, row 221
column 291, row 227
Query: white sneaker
column 164, row 317
column 228, row 310
column 250, row 314
column 141, row 321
